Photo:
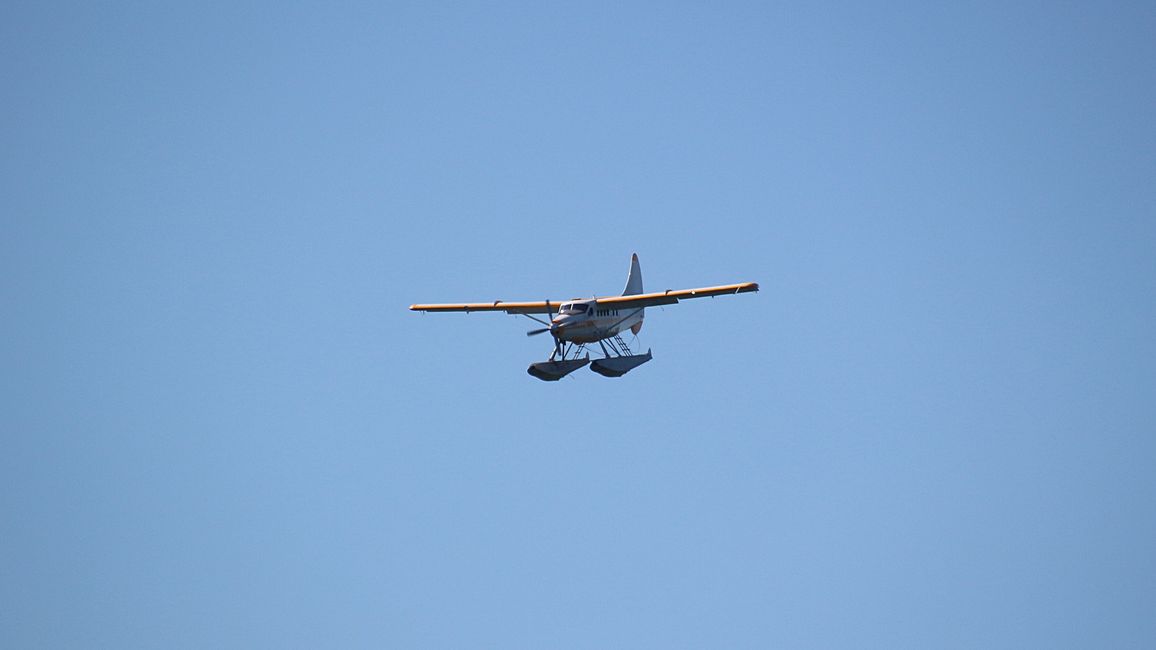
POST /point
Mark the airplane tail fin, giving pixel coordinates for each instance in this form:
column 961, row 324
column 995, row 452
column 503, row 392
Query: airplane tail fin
column 634, row 280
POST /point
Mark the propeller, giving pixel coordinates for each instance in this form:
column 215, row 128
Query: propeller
column 549, row 314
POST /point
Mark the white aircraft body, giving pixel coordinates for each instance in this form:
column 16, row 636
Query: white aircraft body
column 579, row 322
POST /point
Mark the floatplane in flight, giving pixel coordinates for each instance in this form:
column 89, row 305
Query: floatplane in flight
column 581, row 321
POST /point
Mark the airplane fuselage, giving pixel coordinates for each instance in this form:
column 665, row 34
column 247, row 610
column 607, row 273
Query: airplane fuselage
column 582, row 321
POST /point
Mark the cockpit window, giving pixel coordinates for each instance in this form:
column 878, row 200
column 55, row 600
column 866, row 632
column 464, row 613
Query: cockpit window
column 574, row 309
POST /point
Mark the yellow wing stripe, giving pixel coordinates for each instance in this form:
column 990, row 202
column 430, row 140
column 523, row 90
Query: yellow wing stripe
column 668, row 297
column 539, row 307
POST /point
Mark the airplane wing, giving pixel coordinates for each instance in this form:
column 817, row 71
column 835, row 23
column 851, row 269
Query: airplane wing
column 521, row 307
column 668, row 297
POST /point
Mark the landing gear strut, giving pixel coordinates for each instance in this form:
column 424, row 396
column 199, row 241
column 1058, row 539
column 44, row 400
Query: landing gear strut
column 564, row 350
column 617, row 345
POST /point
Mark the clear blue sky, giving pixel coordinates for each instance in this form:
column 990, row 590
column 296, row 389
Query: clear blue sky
column 934, row 427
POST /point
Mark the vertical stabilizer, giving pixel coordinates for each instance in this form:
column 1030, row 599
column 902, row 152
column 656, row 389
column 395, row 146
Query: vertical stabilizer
column 634, row 280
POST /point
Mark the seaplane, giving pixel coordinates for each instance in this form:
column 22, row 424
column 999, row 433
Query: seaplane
column 574, row 324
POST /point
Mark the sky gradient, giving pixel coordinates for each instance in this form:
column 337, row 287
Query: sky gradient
column 934, row 426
